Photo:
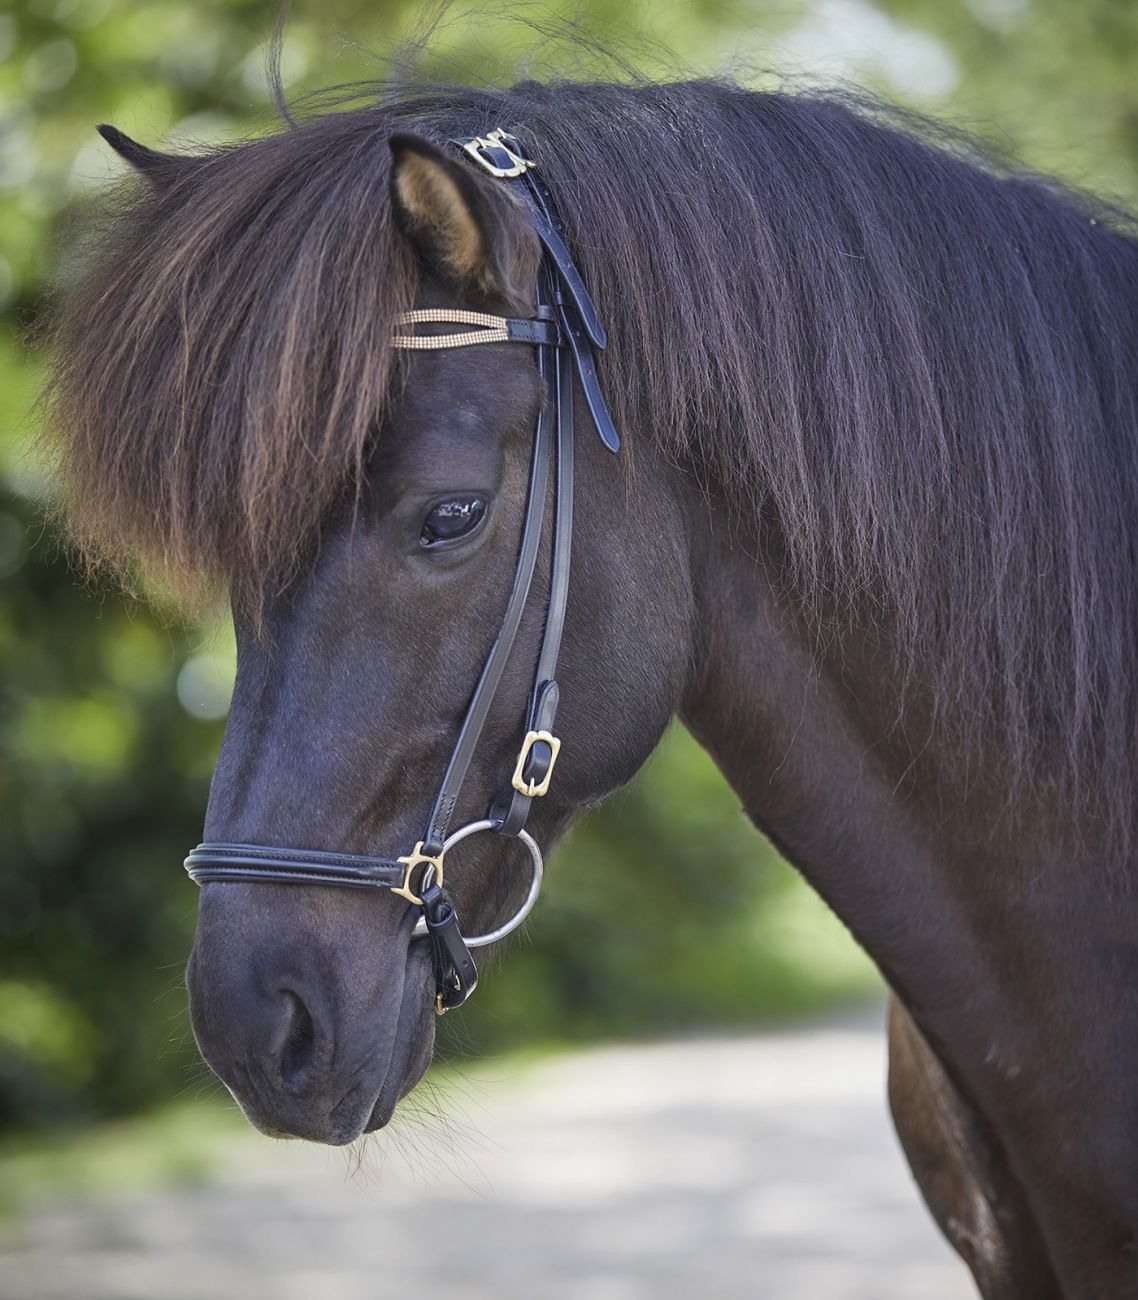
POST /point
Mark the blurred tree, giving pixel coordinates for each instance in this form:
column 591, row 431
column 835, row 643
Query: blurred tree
column 102, row 778
column 110, row 716
column 1053, row 82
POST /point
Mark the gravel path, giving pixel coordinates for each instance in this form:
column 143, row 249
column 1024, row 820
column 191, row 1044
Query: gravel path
column 760, row 1167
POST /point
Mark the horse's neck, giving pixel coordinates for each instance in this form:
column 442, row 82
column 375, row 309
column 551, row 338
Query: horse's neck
column 774, row 727
column 812, row 746
column 1014, row 956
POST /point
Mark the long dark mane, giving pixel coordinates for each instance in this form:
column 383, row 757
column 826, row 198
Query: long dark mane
column 919, row 367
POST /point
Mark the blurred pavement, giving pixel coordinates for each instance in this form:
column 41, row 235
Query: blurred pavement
column 760, row 1167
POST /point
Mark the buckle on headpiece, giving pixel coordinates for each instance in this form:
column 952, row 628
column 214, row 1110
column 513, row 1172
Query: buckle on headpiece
column 524, row 781
column 499, row 153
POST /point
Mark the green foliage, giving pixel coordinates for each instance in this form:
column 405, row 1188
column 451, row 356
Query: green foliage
column 110, row 716
column 102, row 779
column 1052, row 82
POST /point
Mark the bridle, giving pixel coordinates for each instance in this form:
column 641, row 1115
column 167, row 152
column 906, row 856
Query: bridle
column 564, row 331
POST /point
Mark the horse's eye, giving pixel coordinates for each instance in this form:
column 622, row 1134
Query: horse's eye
column 451, row 519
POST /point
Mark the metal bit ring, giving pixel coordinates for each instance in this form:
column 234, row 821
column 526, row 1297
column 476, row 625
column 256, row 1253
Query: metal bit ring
column 527, row 905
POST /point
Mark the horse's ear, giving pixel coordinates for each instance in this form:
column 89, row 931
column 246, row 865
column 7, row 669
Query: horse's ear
column 158, row 168
column 456, row 222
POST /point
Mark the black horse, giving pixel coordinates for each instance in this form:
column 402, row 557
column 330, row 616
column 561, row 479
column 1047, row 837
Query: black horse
column 872, row 536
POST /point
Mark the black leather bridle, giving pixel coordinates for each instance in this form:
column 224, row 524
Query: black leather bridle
column 564, row 331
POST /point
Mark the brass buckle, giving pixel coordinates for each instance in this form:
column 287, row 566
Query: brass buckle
column 534, row 789
column 499, row 139
column 414, row 859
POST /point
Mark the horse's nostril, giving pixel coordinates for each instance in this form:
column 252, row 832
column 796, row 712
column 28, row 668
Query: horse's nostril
column 299, row 1047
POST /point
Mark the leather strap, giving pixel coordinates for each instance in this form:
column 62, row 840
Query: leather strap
column 502, row 149
column 562, row 551
column 211, row 862
column 579, row 318
column 501, row 154
column 456, row 975
column 512, row 808
column 483, row 697
column 545, row 332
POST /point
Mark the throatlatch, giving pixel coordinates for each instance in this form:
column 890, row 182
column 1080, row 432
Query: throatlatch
column 564, row 330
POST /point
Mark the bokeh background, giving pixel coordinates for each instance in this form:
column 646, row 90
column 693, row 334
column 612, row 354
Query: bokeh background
column 111, row 712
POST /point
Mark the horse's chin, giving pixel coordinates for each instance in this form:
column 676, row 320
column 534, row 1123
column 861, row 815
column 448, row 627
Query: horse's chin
column 364, row 1109
column 409, row 1062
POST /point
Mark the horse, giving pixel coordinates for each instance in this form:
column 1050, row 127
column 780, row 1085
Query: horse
column 871, row 534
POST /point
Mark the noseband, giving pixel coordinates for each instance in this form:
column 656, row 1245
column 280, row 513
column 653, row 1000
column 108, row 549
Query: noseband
column 564, row 331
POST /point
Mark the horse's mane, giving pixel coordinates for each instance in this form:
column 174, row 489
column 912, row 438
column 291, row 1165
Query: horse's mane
column 919, row 367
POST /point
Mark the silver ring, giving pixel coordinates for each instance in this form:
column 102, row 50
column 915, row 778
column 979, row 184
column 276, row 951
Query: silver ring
column 492, row 936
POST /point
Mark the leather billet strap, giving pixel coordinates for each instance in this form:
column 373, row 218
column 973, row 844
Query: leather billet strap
column 456, row 975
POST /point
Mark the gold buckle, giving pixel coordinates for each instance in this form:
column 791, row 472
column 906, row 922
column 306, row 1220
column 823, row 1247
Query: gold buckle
column 519, row 165
column 414, row 859
column 534, row 789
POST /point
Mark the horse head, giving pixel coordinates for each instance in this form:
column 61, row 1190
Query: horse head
column 316, row 1005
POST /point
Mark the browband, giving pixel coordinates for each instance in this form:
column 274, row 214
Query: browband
column 541, row 330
